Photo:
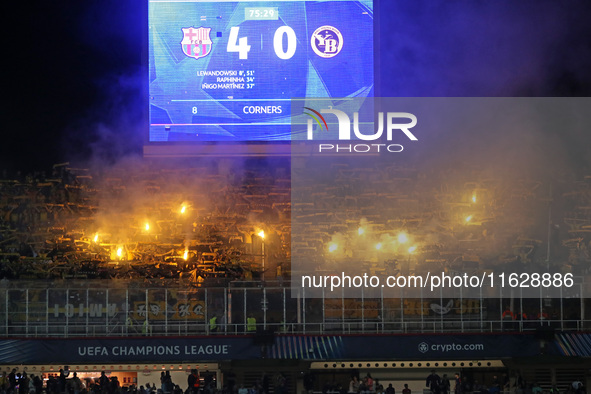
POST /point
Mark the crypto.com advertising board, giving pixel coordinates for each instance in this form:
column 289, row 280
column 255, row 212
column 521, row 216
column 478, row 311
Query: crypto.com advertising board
column 441, row 197
column 227, row 70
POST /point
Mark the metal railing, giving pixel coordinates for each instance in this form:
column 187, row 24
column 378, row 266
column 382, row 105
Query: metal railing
column 126, row 309
column 66, row 331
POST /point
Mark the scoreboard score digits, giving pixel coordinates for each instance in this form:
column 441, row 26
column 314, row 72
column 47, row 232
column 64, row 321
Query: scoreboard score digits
column 227, row 70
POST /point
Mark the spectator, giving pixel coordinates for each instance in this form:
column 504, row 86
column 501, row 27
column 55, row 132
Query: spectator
column 4, row 384
column 61, row 381
column 354, row 384
column 23, row 384
column 208, row 383
column 433, row 382
column 457, row 384
column 168, row 385
column 104, row 382
column 495, row 388
column 369, row 382
column 445, row 385
column 251, row 324
column 193, row 382
column 12, row 381
column 75, row 384
column 213, row 324
column 280, row 383
column 114, row 385
column 38, row 383
column 379, row 388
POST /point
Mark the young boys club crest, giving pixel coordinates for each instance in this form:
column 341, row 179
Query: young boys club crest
column 196, row 42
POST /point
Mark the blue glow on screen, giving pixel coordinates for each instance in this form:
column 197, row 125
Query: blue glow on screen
column 227, row 70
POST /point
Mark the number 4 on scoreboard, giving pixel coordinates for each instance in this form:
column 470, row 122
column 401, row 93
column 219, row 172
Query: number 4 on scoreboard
column 241, row 45
column 242, row 48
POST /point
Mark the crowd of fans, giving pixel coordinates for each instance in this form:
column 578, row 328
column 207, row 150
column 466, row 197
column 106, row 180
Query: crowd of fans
column 457, row 384
column 65, row 382
column 144, row 222
column 443, row 219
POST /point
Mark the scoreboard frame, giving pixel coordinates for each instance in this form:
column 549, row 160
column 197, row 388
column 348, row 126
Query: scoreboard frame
column 189, row 149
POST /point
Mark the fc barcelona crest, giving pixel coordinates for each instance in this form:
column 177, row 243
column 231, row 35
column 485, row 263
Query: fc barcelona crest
column 196, row 42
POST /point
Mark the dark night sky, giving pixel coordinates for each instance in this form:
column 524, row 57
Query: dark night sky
column 72, row 75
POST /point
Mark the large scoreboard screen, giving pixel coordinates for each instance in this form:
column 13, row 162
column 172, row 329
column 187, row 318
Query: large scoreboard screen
column 228, row 70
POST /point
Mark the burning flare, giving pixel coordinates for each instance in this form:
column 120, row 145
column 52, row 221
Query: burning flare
column 96, row 238
column 261, row 234
column 360, row 231
column 468, row 218
column 332, row 247
column 402, row 238
column 186, row 254
column 412, row 249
